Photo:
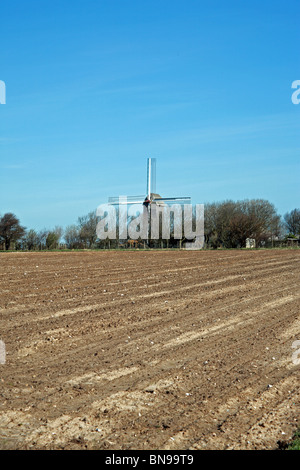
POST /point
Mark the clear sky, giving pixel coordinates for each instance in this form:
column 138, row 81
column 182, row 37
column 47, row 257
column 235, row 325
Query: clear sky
column 94, row 87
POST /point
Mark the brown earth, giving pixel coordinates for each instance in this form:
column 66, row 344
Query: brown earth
column 149, row 350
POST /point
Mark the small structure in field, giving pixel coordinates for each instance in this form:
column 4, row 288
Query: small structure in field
column 250, row 243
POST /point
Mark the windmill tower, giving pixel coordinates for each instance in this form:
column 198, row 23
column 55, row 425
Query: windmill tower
column 151, row 198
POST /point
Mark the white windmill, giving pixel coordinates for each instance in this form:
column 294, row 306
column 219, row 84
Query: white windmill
column 151, row 198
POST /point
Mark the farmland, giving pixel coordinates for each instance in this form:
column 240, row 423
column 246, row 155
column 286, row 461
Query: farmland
column 149, row 349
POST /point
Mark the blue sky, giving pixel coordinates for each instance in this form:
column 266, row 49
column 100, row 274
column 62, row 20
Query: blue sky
column 93, row 88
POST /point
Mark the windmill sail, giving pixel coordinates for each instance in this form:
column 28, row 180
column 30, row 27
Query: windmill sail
column 171, row 200
column 151, row 177
column 126, row 200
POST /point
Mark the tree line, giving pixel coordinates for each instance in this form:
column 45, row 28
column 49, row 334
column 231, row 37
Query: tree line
column 14, row 235
column 227, row 224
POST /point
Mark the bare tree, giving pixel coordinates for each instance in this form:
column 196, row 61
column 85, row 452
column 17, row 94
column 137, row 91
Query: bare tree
column 292, row 221
column 42, row 235
column 87, row 229
column 31, row 239
column 230, row 223
column 10, row 229
column 52, row 240
column 72, row 236
column 264, row 218
column 58, row 232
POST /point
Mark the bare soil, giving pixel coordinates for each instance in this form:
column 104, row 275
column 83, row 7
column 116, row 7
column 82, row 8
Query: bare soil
column 149, row 350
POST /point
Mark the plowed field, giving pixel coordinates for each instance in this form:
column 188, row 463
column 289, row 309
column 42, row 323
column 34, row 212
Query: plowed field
column 149, row 350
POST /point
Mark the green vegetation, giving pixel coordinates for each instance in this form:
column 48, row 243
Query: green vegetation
column 295, row 444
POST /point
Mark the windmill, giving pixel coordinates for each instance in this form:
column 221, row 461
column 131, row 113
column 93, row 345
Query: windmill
column 151, row 198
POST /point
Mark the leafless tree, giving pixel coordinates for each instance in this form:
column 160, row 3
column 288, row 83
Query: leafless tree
column 87, row 229
column 292, row 221
column 10, row 229
column 72, row 236
column 31, row 240
column 230, row 223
